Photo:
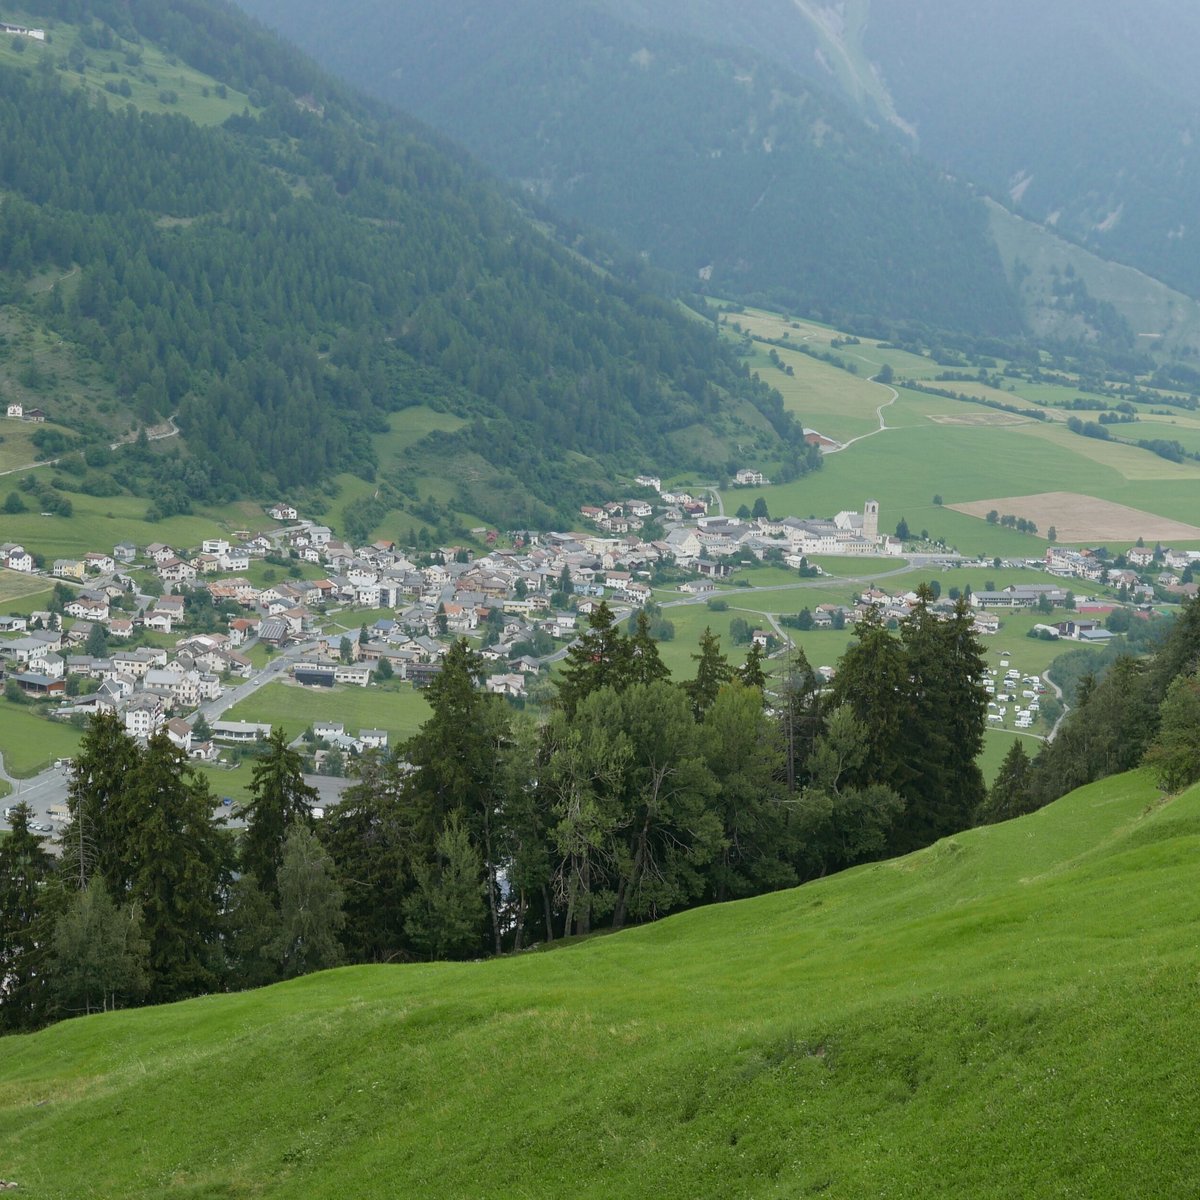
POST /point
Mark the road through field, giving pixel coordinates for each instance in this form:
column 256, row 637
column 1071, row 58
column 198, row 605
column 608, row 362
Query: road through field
column 878, row 412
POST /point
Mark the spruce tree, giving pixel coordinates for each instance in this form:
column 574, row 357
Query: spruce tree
column 100, row 837
column 25, row 867
column 644, row 663
column 1010, row 794
column 751, row 671
column 599, row 658
column 712, row 673
column 279, row 797
column 180, row 861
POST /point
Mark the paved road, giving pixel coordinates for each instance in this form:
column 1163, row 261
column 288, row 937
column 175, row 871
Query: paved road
column 275, row 669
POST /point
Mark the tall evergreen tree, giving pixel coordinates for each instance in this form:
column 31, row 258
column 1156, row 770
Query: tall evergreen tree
column 104, row 819
column 279, row 798
column 1010, row 794
column 25, row 866
column 368, row 837
column 751, row 671
column 872, row 680
column 945, row 714
column 599, row 658
column 712, row 673
column 644, row 663
column 310, row 906
column 180, row 863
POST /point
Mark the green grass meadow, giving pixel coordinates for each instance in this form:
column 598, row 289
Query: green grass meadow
column 398, row 708
column 30, row 742
column 1010, row 1013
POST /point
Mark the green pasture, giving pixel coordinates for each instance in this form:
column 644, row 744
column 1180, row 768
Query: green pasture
column 100, row 522
column 398, row 708
column 905, row 467
column 834, row 402
column 156, row 73
column 1008, row 1013
column 17, row 589
column 30, row 742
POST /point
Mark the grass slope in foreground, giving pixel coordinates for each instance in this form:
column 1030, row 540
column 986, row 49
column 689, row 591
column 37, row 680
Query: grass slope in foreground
column 1009, row 1013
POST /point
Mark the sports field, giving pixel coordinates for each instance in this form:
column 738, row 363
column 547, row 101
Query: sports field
column 399, row 709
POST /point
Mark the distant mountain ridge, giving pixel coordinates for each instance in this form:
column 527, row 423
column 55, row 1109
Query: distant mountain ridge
column 711, row 159
column 1079, row 115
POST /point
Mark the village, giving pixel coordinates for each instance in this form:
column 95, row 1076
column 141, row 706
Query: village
column 160, row 635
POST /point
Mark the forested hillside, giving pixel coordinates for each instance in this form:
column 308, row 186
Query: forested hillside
column 718, row 163
column 286, row 279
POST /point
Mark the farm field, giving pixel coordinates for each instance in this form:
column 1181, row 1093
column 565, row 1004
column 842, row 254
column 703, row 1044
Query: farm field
column 100, row 522
column 947, row 1024
column 399, row 711
column 1084, row 518
column 31, row 743
column 16, row 588
column 938, row 446
column 832, row 401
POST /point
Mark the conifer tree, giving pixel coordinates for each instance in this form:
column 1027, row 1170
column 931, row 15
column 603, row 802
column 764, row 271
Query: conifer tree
column 180, row 861
column 279, row 798
column 100, row 837
column 25, row 867
column 1010, row 794
column 599, row 658
column 751, row 671
column 645, row 664
column 712, row 673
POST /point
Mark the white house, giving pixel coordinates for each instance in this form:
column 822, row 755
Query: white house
column 145, row 715
column 15, row 410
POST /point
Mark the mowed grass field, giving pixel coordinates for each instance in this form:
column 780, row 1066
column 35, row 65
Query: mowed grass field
column 17, row 589
column 938, row 446
column 1010, row 1013
column 30, row 743
column 398, row 708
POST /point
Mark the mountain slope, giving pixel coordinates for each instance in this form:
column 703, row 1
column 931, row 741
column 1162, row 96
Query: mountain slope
column 1086, row 114
column 1008, row 1013
column 708, row 156
column 286, row 280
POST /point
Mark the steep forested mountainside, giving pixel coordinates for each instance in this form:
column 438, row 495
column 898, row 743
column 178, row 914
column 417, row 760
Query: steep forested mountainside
column 1085, row 112
column 284, row 280
column 713, row 160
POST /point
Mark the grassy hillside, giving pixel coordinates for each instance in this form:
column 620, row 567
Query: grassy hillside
column 1009, row 1013
column 1161, row 319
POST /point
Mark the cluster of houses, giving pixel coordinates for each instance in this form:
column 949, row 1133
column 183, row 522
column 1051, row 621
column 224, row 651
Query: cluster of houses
column 1142, row 560
column 18, row 411
column 695, row 541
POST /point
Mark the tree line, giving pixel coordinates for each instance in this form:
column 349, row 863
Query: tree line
column 488, row 831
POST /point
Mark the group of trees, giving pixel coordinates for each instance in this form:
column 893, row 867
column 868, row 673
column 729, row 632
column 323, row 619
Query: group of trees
column 152, row 898
column 1141, row 710
column 637, row 797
